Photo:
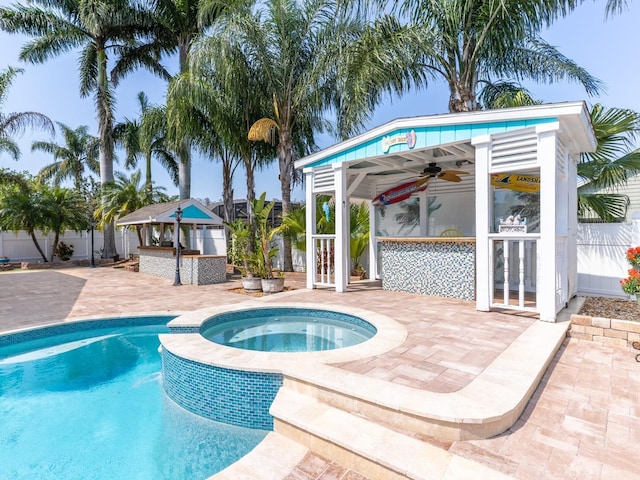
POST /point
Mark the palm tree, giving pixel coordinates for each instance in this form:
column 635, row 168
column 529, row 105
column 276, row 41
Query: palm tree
column 473, row 42
column 176, row 26
column 15, row 123
column 29, row 205
column 616, row 6
column 21, row 209
column 124, row 196
column 228, row 91
column 312, row 58
column 147, row 137
column 64, row 209
column 96, row 27
column 79, row 152
column 613, row 162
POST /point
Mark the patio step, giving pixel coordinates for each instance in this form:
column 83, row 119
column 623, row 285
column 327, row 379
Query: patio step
column 364, row 446
column 486, row 407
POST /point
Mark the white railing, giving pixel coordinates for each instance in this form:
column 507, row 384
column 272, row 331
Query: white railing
column 514, row 260
column 324, row 260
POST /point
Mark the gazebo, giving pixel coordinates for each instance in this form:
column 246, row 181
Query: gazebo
column 203, row 255
column 502, row 182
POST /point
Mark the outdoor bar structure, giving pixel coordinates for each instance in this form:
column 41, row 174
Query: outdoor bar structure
column 198, row 262
column 476, row 206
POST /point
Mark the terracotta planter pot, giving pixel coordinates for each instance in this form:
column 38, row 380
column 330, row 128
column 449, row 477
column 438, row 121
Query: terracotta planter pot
column 272, row 285
column 252, row 284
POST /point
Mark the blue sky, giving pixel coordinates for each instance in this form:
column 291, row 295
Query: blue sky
column 608, row 49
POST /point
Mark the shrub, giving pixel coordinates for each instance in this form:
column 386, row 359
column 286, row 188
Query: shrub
column 64, row 251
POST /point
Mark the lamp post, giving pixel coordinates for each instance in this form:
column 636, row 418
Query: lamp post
column 177, row 282
column 93, row 260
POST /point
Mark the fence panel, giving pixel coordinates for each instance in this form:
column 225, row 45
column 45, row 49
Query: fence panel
column 601, row 257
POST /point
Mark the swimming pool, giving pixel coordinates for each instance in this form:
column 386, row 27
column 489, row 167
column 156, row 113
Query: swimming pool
column 89, row 404
column 287, row 329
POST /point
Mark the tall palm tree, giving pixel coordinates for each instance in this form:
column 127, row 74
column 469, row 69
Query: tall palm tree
column 473, row 42
column 14, row 123
column 124, row 196
column 177, row 25
column 229, row 89
column 312, row 58
column 79, row 152
column 97, row 28
column 146, row 136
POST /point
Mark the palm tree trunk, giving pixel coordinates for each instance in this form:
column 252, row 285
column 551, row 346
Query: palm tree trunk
column 105, row 132
column 184, row 166
column 285, row 158
column 184, row 170
column 32, row 233
column 227, row 186
column 249, row 166
column 148, row 184
column 462, row 98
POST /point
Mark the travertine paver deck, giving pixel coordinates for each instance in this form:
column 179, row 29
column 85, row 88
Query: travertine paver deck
column 582, row 422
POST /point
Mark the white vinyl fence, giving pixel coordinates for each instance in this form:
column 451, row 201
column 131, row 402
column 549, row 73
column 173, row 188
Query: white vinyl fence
column 602, row 263
column 20, row 247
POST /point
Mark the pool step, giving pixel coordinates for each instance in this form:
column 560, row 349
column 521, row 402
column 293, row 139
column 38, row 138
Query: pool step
column 365, row 446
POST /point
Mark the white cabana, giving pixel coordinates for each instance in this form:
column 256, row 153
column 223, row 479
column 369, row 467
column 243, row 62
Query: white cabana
column 531, row 267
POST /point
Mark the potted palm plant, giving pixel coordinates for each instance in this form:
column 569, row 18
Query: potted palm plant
column 243, row 256
column 265, row 251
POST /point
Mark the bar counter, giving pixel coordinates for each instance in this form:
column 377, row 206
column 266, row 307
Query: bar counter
column 439, row 266
column 195, row 269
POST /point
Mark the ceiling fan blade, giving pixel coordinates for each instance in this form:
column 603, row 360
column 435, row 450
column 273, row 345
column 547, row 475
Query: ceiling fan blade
column 449, row 176
column 456, row 172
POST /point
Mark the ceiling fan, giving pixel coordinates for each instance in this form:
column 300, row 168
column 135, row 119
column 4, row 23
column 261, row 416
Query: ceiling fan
column 433, row 170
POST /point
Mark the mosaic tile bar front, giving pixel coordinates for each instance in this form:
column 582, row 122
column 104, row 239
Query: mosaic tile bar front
column 194, row 269
column 221, row 394
column 441, row 268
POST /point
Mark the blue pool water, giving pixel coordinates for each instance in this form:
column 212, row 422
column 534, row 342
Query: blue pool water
column 278, row 329
column 92, row 407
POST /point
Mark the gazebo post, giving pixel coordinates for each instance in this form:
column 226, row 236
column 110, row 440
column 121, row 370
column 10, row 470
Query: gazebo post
column 341, row 256
column 484, row 267
column 310, row 198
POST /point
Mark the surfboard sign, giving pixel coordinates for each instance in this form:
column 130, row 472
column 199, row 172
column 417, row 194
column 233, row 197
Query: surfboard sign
column 519, row 183
column 400, row 192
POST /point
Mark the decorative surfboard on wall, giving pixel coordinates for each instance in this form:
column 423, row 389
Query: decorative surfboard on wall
column 400, row 192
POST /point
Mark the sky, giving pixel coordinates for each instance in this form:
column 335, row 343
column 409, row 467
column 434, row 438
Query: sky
column 609, row 49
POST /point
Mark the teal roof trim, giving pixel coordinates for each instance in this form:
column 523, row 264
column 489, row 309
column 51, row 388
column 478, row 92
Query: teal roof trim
column 193, row 212
column 428, row 137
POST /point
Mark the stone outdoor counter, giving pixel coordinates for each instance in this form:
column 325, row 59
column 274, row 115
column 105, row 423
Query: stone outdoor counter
column 440, row 266
column 195, row 269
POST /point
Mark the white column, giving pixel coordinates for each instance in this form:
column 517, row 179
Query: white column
column 310, row 199
column 341, row 253
column 546, row 284
column 572, row 218
column 483, row 223
column 373, row 243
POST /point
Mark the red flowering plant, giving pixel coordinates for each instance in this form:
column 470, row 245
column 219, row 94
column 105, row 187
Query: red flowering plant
column 631, row 284
column 633, row 256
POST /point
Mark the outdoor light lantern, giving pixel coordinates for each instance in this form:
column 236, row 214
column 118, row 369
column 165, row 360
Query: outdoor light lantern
column 178, row 219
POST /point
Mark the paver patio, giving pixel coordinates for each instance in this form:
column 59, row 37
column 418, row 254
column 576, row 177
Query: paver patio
column 582, row 422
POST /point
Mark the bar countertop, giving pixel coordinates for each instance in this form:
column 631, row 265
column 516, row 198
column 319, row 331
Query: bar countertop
column 428, row 239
